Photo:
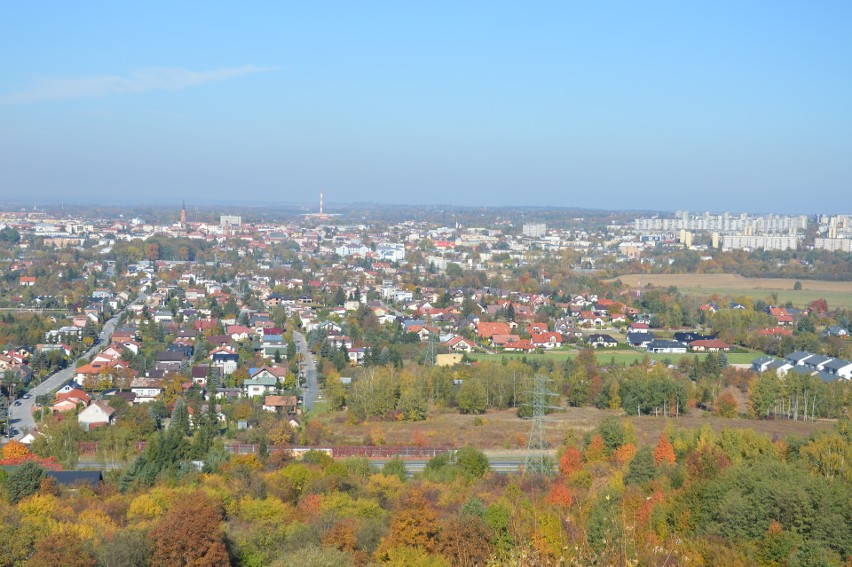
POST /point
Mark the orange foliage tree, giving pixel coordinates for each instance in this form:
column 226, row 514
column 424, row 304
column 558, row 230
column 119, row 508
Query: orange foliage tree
column 664, row 452
column 560, row 495
column 15, row 453
column 14, row 450
column 624, row 453
column 189, row 535
column 571, row 461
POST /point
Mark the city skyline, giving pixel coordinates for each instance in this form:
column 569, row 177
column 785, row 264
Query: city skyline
column 612, row 107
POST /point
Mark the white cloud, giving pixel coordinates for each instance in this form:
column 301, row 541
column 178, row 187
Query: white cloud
column 151, row 79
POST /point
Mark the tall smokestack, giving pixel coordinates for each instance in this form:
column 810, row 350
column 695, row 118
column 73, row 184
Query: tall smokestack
column 320, row 202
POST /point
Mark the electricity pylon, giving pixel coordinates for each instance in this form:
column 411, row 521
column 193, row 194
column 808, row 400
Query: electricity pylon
column 537, row 460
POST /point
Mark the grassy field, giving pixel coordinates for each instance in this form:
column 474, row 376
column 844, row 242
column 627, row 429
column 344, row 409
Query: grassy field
column 621, row 356
column 837, row 294
column 503, row 430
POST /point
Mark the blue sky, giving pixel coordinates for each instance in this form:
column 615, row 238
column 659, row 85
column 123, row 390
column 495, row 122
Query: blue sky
column 657, row 105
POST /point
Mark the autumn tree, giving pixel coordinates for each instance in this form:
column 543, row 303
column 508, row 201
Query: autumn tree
column 14, row 449
column 725, row 405
column 189, row 535
column 173, row 386
column 596, row 451
column 559, row 495
column 829, row 455
column 465, row 542
column 414, row 525
column 664, row 452
column 62, row 548
column 624, row 454
column 571, row 461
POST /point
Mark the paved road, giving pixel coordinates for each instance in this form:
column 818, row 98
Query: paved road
column 502, row 464
column 312, row 389
column 505, row 465
column 22, row 415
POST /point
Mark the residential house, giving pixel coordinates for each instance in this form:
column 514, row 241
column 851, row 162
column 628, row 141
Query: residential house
column 640, row 339
column 261, row 386
column 798, row 358
column 278, row 373
column 70, row 400
column 709, row 345
column 836, row 331
column 601, row 341
column 667, row 347
column 226, row 358
column 546, row 339
column 782, row 317
column 239, row 332
column 817, row 362
column 590, row 319
column 163, row 316
column 638, row 328
column 99, row 413
column 459, row 344
column 520, row 345
column 487, row 330
column 170, row 360
column 281, row 404
column 687, row 337
column 356, row 355
column 534, row 328
column 840, row 368
column 502, row 340
column 147, row 389
column 762, row 363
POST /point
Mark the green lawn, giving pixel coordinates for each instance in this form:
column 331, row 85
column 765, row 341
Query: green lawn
column 621, row 356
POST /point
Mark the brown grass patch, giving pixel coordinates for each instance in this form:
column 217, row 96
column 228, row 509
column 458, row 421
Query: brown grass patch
column 503, row 430
column 734, row 282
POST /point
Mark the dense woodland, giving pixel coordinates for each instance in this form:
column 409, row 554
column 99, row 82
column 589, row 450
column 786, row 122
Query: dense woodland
column 693, row 498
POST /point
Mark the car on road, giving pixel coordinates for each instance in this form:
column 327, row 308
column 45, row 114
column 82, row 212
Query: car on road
column 26, row 396
column 17, row 402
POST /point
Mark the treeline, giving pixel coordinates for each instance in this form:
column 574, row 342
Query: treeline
column 640, row 389
column 158, row 248
column 799, row 264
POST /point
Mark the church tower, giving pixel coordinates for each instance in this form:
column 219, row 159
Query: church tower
column 183, row 215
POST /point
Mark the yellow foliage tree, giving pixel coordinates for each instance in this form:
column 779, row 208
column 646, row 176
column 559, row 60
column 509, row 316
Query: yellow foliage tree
column 596, row 451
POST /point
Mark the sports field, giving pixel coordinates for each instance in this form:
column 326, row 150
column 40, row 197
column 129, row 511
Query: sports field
column 837, row 294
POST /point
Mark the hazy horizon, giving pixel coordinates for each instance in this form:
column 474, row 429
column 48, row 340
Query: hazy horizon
column 613, row 106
